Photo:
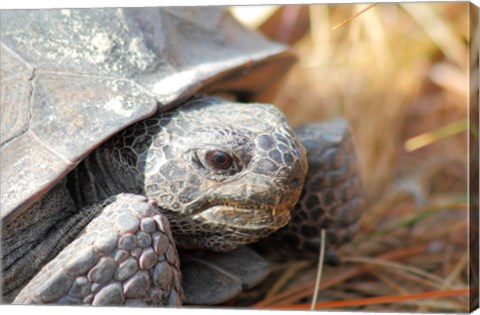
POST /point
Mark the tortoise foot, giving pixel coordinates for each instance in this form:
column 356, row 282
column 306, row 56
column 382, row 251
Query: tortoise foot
column 126, row 255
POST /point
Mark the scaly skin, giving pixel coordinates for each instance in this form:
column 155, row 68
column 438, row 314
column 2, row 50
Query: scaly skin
column 165, row 158
column 224, row 174
column 124, row 256
column 120, row 250
column 331, row 197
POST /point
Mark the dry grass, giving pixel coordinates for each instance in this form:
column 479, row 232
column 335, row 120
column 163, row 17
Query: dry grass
column 398, row 73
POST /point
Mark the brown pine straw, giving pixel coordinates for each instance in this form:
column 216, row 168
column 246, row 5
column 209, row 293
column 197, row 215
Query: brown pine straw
column 389, row 282
column 378, row 300
column 319, row 270
column 305, row 290
column 353, row 16
column 393, row 265
column 293, row 269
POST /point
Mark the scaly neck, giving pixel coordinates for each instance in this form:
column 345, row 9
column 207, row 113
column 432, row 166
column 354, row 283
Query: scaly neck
column 100, row 175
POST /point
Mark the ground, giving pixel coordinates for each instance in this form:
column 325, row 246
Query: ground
column 399, row 74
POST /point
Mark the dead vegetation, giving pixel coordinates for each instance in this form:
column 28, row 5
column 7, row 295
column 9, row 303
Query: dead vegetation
column 399, row 74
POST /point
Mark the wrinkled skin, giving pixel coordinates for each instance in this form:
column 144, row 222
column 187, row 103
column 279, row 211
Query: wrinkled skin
column 224, row 174
column 218, row 207
column 97, row 232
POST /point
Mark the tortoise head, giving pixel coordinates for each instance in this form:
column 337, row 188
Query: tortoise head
column 225, row 174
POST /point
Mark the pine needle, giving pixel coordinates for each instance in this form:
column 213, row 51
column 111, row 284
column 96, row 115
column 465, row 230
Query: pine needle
column 302, row 291
column 319, row 270
column 395, row 265
column 291, row 271
column 380, row 300
column 353, row 16
column 433, row 136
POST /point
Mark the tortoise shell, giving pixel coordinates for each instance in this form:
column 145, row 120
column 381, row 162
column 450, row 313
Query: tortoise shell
column 72, row 78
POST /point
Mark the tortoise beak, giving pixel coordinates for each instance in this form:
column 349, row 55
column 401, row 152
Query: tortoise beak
column 246, row 219
column 267, row 207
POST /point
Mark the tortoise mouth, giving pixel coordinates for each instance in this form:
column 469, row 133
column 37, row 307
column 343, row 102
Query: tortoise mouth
column 226, row 227
column 243, row 217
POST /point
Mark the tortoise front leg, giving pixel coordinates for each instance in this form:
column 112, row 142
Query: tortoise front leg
column 331, row 198
column 126, row 255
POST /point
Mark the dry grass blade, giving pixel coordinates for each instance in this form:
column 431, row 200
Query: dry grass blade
column 320, row 34
column 451, row 78
column 398, row 74
column 394, row 265
column 305, row 290
column 379, row 300
column 408, row 221
column 319, row 269
column 436, row 135
column 440, row 32
column 286, row 276
column 455, row 272
column 415, row 279
column 389, row 282
column 353, row 16
column 437, row 304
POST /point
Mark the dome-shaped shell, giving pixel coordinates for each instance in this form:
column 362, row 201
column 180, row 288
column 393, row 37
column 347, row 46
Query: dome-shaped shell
column 72, row 78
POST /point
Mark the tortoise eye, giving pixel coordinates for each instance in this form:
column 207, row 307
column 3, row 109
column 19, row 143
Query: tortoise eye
column 219, row 159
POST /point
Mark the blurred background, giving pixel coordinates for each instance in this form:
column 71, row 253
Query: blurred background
column 399, row 74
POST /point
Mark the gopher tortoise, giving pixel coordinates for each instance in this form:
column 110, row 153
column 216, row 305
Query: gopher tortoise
column 118, row 151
